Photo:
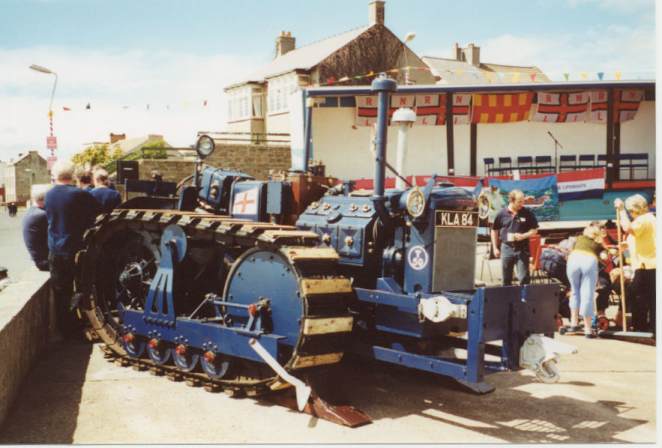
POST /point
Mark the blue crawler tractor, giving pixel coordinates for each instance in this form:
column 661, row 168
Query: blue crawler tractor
column 250, row 285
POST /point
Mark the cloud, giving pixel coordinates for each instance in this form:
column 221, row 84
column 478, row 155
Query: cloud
column 118, row 86
column 602, row 49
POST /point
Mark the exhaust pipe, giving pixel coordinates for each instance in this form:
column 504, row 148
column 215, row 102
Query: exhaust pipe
column 404, row 118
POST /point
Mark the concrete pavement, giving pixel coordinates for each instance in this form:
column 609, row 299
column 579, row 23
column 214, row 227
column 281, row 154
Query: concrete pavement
column 606, row 395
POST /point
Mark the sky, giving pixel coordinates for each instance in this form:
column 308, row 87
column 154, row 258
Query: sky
column 148, row 67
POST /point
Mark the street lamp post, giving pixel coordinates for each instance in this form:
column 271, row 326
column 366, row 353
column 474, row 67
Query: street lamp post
column 408, row 38
column 51, row 141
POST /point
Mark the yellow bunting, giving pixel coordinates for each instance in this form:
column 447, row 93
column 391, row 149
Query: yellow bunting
column 617, row 75
column 516, row 76
column 584, row 75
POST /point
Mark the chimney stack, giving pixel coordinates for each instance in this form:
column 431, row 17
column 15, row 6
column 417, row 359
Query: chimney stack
column 376, row 12
column 471, row 54
column 285, row 43
column 116, row 137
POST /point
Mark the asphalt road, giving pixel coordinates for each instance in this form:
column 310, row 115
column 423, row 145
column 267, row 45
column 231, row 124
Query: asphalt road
column 13, row 254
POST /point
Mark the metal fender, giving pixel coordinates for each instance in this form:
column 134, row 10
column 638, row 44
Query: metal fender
column 540, row 355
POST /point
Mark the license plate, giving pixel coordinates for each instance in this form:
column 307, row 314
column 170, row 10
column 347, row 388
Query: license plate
column 451, row 218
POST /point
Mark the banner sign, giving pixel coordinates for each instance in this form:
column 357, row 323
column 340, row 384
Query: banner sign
column 542, row 196
column 584, row 184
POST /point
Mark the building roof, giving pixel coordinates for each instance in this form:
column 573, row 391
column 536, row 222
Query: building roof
column 25, row 156
column 303, row 58
column 452, row 71
column 130, row 144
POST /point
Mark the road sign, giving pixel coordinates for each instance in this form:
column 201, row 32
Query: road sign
column 51, row 142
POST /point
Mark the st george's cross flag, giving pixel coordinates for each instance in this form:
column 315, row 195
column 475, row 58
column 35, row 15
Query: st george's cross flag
column 366, row 110
column 599, row 106
column 461, row 108
column 626, row 104
column 431, row 109
column 565, row 107
column 500, row 107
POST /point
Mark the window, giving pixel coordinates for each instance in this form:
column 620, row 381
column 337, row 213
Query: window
column 279, row 90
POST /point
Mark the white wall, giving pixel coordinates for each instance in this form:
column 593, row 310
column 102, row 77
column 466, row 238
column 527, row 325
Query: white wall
column 345, row 148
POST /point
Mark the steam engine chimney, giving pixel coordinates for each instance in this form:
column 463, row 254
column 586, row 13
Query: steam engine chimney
column 285, row 43
column 376, row 12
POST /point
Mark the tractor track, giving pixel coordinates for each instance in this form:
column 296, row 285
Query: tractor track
column 323, row 293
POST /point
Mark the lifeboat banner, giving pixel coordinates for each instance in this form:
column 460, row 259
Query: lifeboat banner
column 584, row 184
column 563, row 107
column 542, row 196
column 501, row 107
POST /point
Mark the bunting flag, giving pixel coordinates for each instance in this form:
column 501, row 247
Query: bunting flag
column 430, row 109
column 566, row 107
column 66, row 109
column 501, row 107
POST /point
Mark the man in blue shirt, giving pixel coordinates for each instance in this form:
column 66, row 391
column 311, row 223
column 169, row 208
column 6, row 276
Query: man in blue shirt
column 35, row 228
column 512, row 228
column 108, row 198
column 70, row 212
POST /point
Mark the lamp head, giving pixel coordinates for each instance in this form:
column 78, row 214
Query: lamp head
column 409, row 36
column 41, row 69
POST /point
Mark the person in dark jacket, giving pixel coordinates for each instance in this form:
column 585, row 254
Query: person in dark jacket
column 511, row 230
column 70, row 212
column 35, row 228
column 108, row 198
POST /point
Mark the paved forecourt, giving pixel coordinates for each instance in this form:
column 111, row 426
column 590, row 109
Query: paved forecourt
column 606, row 394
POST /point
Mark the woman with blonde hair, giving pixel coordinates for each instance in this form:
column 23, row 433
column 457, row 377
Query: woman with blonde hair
column 641, row 230
column 582, row 270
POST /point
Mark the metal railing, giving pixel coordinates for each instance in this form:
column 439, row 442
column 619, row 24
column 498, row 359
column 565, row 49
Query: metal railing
column 254, row 138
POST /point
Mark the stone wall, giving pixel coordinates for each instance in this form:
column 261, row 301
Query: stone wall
column 256, row 160
column 26, row 325
column 171, row 170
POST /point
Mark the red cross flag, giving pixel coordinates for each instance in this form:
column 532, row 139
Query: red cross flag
column 566, row 107
column 431, row 110
column 626, row 105
column 461, row 108
column 599, row 106
column 245, row 202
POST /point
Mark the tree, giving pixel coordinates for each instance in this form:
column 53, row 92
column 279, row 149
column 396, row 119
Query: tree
column 154, row 150
column 97, row 154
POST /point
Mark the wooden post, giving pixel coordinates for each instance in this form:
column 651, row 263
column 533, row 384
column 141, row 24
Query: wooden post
column 450, row 146
column 620, row 264
column 473, row 137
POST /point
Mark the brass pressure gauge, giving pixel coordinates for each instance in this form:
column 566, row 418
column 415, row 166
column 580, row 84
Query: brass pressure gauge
column 415, row 202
